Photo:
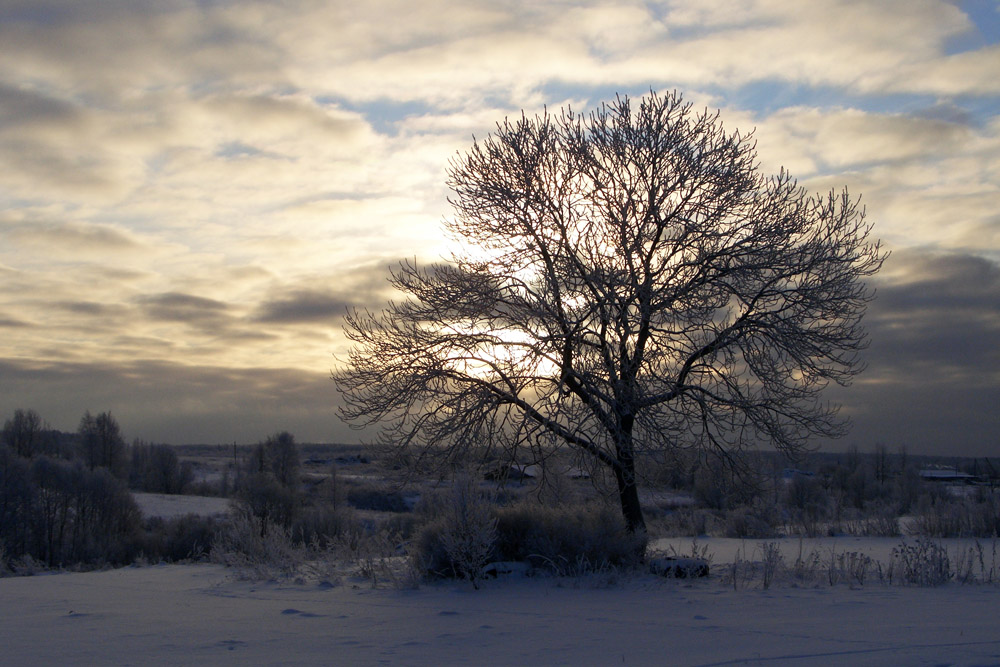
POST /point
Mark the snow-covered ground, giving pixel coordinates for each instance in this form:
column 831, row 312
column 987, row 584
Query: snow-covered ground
column 169, row 506
column 199, row 614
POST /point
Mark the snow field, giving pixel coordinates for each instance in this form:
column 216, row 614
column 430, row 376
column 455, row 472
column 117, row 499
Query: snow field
column 200, row 614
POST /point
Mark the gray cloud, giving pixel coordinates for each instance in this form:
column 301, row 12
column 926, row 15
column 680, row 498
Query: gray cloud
column 196, row 311
column 313, row 299
column 89, row 308
column 933, row 377
column 74, row 237
column 304, row 306
column 12, row 322
column 20, row 107
column 177, row 403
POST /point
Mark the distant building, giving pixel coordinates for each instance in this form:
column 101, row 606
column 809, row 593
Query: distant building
column 947, row 476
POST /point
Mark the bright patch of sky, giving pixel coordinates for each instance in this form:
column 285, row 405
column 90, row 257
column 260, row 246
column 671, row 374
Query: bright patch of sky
column 985, row 17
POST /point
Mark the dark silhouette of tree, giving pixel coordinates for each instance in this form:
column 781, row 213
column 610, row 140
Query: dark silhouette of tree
column 102, row 444
column 268, row 487
column 157, row 469
column 283, row 458
column 628, row 282
column 23, row 432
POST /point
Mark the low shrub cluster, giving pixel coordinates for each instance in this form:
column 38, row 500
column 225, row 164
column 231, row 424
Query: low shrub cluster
column 567, row 540
column 977, row 516
column 470, row 530
column 923, row 562
column 188, row 537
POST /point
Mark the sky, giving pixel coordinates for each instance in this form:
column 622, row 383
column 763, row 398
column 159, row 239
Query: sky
column 194, row 192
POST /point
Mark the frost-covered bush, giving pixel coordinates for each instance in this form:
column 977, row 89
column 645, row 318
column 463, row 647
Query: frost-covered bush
column 318, row 525
column 759, row 520
column 877, row 519
column 186, row 537
column 261, row 496
column 256, row 550
column 567, row 540
column 470, row 529
column 923, row 563
column 687, row 522
column 978, row 516
column 460, row 539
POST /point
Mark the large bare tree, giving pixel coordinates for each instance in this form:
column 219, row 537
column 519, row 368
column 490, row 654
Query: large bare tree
column 625, row 282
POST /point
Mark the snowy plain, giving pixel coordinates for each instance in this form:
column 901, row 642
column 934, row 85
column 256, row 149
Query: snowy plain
column 169, row 506
column 202, row 614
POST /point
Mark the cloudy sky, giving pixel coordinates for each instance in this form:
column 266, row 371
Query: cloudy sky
column 193, row 192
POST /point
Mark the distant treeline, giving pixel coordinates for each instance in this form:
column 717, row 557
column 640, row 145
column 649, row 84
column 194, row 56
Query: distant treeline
column 64, row 497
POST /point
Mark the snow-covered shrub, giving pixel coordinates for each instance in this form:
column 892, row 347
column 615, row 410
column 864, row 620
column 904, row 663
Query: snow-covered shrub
column 256, row 550
column 978, row 516
column 850, row 567
column 978, row 563
column 319, row 524
column 186, row 537
column 567, row 540
column 378, row 555
column 877, row 519
column 261, row 496
column 470, row 529
column 924, row 563
column 460, row 541
column 771, row 563
column 687, row 522
column 759, row 520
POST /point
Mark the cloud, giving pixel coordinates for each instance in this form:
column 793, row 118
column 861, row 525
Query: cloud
column 175, row 307
column 74, row 238
column 180, row 403
column 303, row 306
column 933, row 375
column 23, row 109
column 8, row 322
column 362, row 287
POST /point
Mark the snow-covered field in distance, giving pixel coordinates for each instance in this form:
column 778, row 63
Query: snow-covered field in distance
column 199, row 614
column 169, row 506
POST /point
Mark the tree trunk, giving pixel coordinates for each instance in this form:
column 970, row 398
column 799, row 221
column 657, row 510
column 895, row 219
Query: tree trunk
column 628, row 494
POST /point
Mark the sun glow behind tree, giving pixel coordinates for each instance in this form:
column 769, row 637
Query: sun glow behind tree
column 639, row 286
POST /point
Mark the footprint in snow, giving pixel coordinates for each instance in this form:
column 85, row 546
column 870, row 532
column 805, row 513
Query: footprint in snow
column 303, row 614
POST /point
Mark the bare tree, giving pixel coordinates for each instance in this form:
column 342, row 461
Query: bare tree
column 283, row 455
column 23, row 432
column 102, row 444
column 627, row 282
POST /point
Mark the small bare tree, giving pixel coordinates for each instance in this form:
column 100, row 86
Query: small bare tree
column 626, row 282
column 102, row 444
column 23, row 432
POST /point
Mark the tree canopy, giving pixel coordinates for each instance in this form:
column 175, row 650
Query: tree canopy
column 624, row 282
